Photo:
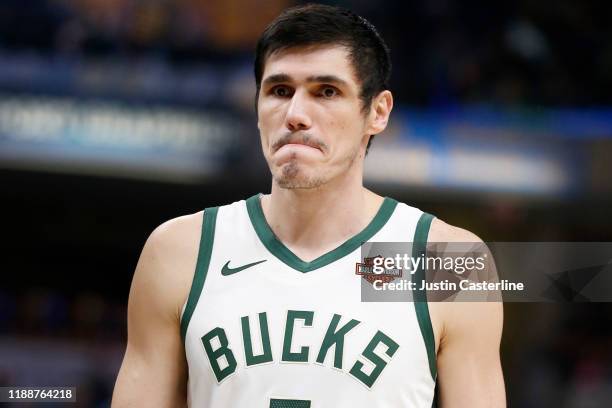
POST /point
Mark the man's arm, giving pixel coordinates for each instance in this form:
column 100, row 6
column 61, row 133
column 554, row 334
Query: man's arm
column 154, row 370
column 468, row 336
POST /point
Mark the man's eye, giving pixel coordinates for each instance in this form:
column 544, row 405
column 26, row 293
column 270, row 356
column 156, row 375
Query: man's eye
column 329, row 92
column 280, row 91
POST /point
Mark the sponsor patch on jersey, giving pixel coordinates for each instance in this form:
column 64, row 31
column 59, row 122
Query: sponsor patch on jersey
column 366, row 270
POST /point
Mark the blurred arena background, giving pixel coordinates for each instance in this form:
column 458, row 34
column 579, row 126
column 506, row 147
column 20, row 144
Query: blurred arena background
column 116, row 115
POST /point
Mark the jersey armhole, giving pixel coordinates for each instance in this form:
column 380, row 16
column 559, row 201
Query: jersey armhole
column 419, row 248
column 209, row 219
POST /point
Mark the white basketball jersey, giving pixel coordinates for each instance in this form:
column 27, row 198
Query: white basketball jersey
column 264, row 329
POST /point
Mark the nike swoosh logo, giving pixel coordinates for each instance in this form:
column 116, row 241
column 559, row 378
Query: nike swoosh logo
column 226, row 270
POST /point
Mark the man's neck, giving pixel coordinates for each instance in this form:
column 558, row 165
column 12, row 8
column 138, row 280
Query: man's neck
column 312, row 222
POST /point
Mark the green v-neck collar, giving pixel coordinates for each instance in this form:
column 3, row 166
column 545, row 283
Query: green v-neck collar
column 278, row 249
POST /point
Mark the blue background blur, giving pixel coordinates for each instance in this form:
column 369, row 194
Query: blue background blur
column 116, row 115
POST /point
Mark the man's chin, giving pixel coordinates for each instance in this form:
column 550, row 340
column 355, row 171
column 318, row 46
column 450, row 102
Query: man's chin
column 293, row 175
column 297, row 181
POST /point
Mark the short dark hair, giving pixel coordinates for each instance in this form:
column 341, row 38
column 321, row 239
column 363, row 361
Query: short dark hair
column 318, row 24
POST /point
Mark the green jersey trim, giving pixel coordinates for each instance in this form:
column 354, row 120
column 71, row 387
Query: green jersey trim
column 206, row 244
column 279, row 250
column 420, row 296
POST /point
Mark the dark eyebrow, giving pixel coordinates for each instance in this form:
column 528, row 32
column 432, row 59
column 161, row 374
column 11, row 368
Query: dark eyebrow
column 276, row 78
column 329, row 79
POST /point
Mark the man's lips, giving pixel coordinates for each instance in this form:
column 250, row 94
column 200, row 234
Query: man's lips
column 297, row 141
column 299, row 144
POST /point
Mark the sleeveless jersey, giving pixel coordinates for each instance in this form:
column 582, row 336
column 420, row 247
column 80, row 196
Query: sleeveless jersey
column 264, row 329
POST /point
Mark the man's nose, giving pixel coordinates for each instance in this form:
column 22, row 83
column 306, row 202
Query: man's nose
column 297, row 116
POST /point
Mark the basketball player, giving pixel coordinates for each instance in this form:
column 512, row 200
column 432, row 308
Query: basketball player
column 256, row 304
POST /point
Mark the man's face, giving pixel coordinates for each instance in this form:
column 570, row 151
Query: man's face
column 310, row 116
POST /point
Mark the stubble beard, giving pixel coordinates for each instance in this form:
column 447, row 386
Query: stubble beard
column 292, row 175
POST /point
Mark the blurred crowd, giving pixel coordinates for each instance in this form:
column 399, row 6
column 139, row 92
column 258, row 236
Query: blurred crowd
column 62, row 341
column 39, row 312
column 443, row 52
column 176, row 30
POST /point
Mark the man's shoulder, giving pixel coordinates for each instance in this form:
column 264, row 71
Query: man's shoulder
column 454, row 320
column 168, row 260
column 441, row 231
column 176, row 230
column 171, row 249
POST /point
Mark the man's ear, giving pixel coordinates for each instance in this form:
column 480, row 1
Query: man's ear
column 379, row 113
